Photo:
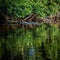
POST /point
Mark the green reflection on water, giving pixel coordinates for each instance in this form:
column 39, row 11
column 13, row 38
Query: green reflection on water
column 44, row 41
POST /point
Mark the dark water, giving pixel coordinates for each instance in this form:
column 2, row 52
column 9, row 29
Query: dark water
column 29, row 53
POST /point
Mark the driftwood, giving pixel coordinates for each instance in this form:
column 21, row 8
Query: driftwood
column 32, row 21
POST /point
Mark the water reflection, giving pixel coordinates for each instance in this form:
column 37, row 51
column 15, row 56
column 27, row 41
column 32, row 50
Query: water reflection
column 42, row 45
column 29, row 53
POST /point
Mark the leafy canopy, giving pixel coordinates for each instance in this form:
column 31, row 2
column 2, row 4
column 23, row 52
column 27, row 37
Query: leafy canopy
column 22, row 8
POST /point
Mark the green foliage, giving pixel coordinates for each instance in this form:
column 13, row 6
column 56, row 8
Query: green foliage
column 22, row 8
column 19, row 8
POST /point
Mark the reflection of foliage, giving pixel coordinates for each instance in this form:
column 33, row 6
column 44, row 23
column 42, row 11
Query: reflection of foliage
column 21, row 39
column 1, row 49
column 22, row 8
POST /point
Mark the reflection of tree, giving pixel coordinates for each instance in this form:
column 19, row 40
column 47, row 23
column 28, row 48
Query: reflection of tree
column 6, row 53
column 44, row 52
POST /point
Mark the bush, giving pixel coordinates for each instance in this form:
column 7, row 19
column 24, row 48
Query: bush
column 26, row 7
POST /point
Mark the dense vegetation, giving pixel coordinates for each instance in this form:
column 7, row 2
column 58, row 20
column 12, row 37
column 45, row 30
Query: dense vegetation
column 22, row 8
column 44, row 40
